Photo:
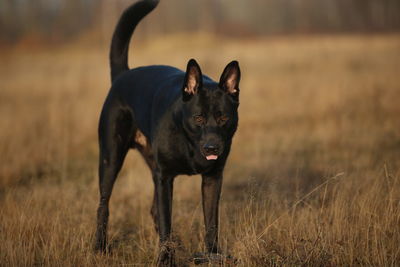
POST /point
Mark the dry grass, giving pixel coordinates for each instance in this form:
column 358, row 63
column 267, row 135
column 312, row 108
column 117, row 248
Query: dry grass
column 311, row 109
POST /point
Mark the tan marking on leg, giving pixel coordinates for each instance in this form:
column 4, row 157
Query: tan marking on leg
column 144, row 148
column 140, row 139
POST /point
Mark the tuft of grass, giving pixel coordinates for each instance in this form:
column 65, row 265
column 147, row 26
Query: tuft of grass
column 313, row 177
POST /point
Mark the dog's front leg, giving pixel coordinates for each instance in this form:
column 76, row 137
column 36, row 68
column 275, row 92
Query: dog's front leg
column 211, row 191
column 163, row 194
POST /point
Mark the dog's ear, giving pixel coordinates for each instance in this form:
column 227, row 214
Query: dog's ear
column 193, row 79
column 230, row 78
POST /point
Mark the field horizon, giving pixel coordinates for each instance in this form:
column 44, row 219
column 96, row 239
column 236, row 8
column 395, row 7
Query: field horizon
column 313, row 177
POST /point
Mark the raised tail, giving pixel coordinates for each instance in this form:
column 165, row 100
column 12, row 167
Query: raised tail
column 123, row 32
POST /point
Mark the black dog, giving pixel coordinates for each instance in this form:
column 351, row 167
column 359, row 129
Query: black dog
column 181, row 123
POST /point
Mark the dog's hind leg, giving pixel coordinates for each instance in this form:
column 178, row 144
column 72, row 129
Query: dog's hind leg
column 142, row 145
column 154, row 212
column 115, row 130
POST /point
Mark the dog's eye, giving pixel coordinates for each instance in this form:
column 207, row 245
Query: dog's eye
column 200, row 120
column 222, row 119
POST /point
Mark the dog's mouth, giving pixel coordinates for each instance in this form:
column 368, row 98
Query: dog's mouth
column 211, row 152
column 211, row 157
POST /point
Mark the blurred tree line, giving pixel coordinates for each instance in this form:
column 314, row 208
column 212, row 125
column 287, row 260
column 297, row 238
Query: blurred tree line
column 60, row 20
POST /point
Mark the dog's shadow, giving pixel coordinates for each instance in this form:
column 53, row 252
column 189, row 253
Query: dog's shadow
column 126, row 236
column 183, row 257
column 129, row 233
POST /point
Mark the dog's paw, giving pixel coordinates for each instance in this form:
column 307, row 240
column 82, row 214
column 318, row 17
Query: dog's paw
column 100, row 245
column 166, row 257
column 102, row 249
column 213, row 258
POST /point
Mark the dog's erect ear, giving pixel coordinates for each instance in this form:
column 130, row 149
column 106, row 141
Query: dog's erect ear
column 193, row 79
column 230, row 78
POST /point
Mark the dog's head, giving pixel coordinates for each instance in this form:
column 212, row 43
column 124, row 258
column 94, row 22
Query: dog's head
column 210, row 110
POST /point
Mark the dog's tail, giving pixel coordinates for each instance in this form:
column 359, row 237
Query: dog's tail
column 123, row 32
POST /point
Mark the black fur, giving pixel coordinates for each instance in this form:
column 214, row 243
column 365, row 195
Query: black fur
column 181, row 123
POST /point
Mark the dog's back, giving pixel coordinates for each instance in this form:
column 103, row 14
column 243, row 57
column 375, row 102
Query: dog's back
column 150, row 90
column 140, row 87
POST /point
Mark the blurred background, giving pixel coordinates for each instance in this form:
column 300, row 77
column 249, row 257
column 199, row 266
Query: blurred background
column 57, row 21
column 313, row 177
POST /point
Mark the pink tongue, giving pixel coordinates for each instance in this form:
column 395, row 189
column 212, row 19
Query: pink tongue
column 211, row 157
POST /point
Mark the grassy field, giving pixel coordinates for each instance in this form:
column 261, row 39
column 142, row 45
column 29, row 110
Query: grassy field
column 313, row 177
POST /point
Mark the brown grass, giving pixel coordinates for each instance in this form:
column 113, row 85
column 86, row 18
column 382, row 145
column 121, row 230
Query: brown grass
column 313, row 177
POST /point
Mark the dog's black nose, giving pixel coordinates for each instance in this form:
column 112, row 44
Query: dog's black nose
column 211, row 148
